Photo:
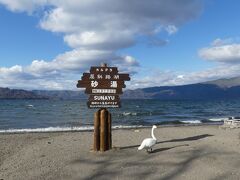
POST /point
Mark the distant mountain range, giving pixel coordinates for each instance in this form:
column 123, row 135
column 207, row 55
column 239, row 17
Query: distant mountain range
column 6, row 93
column 218, row 89
column 63, row 94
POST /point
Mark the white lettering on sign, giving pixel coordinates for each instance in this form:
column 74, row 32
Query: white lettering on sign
column 116, row 76
column 104, row 103
column 107, row 76
column 113, row 84
column 94, row 84
column 104, row 98
column 106, row 106
column 99, row 76
column 101, row 91
column 91, row 76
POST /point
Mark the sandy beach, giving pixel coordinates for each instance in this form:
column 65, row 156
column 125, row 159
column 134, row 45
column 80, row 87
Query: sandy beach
column 188, row 152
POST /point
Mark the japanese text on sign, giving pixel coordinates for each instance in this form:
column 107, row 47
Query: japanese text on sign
column 105, row 83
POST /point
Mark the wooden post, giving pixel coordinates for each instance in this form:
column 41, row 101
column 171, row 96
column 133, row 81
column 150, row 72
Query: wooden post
column 96, row 143
column 103, row 130
column 109, row 131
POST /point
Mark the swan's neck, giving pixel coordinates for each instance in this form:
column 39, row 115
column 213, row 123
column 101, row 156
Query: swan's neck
column 153, row 134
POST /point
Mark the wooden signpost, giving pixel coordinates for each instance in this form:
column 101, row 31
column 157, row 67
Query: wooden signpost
column 104, row 85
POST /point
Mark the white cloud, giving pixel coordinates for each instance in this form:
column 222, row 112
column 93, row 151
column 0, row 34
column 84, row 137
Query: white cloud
column 221, row 51
column 171, row 78
column 96, row 30
column 171, row 29
column 12, row 70
column 66, row 67
column 32, row 77
column 101, row 24
column 105, row 40
column 24, row 5
column 221, row 42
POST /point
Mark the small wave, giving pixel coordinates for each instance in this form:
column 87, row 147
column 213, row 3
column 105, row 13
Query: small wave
column 192, row 122
column 128, row 127
column 48, row 129
column 137, row 114
column 129, row 114
column 64, row 129
column 218, row 119
column 126, row 113
column 30, row 106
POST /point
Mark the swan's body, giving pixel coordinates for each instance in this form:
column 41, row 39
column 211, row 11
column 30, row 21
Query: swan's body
column 148, row 143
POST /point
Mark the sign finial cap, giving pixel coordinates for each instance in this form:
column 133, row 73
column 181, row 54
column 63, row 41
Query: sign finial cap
column 103, row 64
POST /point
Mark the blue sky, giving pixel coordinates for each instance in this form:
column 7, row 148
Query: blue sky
column 48, row 44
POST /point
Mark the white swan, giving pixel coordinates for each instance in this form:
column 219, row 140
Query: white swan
column 148, row 143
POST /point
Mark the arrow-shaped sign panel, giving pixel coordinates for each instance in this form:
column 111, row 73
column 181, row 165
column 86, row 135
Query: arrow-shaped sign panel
column 101, row 84
column 109, row 70
column 109, row 77
column 103, row 91
column 102, row 97
column 97, row 104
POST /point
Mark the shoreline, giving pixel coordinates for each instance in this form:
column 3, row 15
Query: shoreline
column 90, row 128
column 184, row 152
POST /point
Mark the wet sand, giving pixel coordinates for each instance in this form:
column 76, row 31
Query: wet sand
column 192, row 152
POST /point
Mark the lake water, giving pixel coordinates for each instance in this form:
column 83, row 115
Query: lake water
column 47, row 115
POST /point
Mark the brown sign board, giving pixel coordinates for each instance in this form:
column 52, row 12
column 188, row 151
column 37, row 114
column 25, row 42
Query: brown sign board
column 103, row 91
column 104, row 84
column 100, row 104
column 104, row 76
column 103, row 97
column 108, row 70
column 101, row 84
